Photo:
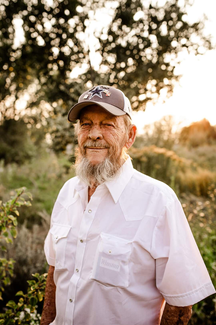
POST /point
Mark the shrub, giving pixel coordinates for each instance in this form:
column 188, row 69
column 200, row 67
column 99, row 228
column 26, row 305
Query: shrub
column 196, row 181
column 25, row 310
column 201, row 214
column 16, row 145
column 8, row 230
column 159, row 163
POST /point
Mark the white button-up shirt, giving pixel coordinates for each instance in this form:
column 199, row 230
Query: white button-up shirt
column 118, row 256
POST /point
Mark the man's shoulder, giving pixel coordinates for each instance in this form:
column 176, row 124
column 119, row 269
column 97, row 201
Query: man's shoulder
column 71, row 182
column 66, row 193
column 145, row 196
column 151, row 186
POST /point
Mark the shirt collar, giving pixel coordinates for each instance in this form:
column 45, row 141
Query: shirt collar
column 80, row 186
column 117, row 185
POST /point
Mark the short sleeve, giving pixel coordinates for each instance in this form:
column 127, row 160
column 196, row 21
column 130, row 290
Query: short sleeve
column 48, row 244
column 48, row 249
column 181, row 275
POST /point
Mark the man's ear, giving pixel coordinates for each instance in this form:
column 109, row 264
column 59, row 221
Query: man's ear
column 131, row 136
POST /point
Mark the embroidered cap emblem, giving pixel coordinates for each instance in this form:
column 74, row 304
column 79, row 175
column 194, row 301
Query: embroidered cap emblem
column 97, row 91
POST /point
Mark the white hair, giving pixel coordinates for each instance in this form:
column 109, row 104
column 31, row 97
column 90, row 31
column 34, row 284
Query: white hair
column 99, row 173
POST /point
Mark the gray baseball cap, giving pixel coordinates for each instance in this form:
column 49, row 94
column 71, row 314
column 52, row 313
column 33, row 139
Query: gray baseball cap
column 111, row 99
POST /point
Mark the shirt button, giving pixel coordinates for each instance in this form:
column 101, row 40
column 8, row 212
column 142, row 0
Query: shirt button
column 89, row 211
column 71, row 300
column 56, row 237
column 77, row 270
column 81, row 241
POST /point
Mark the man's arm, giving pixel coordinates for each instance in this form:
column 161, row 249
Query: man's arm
column 49, row 310
column 173, row 315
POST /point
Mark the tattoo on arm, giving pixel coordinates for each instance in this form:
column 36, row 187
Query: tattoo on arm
column 173, row 315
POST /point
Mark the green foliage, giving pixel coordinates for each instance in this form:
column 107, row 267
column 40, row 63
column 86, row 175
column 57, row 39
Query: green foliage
column 16, row 143
column 159, row 163
column 190, row 171
column 8, row 231
column 196, row 180
column 43, row 176
column 160, row 134
column 201, row 215
column 203, row 156
column 25, row 310
column 138, row 50
column 185, row 169
column 141, row 48
column 46, row 55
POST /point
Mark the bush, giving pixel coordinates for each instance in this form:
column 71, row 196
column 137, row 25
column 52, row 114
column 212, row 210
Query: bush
column 8, row 231
column 202, row 218
column 196, row 181
column 159, row 163
column 25, row 310
column 16, row 145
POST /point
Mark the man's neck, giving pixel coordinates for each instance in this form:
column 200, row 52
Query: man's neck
column 91, row 189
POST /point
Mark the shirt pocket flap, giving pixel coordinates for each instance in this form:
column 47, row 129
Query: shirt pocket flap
column 59, row 231
column 115, row 246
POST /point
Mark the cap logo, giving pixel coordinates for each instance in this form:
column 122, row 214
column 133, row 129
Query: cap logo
column 97, row 91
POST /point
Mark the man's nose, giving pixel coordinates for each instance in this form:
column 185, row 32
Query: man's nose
column 95, row 133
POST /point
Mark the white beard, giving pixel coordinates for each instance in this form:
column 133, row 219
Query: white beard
column 97, row 174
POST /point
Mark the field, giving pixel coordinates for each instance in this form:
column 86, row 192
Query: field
column 190, row 170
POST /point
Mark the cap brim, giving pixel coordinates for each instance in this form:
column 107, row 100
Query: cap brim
column 74, row 112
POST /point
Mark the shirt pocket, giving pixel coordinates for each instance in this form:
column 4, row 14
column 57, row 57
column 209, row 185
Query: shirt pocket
column 59, row 235
column 111, row 263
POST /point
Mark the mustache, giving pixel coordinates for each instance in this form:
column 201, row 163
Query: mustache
column 95, row 144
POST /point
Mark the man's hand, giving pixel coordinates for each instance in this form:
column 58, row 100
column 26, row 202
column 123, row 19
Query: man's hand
column 49, row 310
column 173, row 315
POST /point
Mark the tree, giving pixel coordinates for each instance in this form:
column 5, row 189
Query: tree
column 143, row 45
column 42, row 62
column 160, row 134
column 137, row 49
column 198, row 133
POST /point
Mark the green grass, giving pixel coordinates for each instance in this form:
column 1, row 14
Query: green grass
column 43, row 177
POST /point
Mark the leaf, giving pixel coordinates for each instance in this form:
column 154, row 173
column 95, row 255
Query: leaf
column 9, row 240
column 4, row 249
column 40, row 296
column 11, row 304
column 20, row 293
column 13, row 233
column 33, row 301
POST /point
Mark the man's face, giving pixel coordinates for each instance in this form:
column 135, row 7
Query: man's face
column 101, row 135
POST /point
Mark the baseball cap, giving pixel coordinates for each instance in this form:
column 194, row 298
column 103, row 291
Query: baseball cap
column 111, row 99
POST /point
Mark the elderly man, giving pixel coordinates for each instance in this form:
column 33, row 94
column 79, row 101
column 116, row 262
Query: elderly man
column 119, row 246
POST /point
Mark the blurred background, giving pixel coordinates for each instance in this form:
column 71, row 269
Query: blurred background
column 162, row 54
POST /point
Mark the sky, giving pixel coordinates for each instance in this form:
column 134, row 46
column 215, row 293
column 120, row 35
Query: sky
column 194, row 96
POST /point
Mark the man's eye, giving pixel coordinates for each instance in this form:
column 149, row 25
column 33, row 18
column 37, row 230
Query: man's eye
column 109, row 124
column 85, row 124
